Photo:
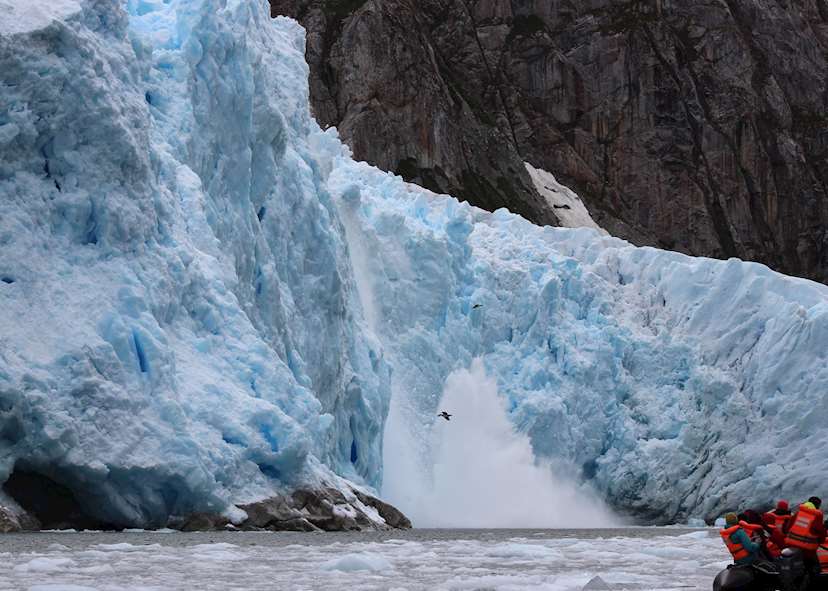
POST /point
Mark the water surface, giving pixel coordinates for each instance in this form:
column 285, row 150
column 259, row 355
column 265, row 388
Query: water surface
column 502, row 560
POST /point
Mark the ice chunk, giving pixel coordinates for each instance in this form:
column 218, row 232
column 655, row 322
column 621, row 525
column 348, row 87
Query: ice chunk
column 521, row 551
column 45, row 564
column 362, row 561
column 127, row 547
column 596, row 584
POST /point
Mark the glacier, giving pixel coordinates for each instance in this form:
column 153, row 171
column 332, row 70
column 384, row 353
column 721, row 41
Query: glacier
column 206, row 301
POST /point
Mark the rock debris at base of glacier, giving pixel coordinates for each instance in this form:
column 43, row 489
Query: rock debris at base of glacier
column 205, row 301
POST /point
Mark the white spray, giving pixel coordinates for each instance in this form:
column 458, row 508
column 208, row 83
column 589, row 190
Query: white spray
column 482, row 472
column 474, row 471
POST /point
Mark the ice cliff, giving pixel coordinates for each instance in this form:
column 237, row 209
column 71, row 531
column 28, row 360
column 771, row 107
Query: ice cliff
column 205, row 300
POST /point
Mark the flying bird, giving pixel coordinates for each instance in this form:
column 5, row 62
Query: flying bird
column 445, row 415
column 476, row 306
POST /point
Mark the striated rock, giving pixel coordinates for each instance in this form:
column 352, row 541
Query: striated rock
column 304, row 510
column 691, row 125
column 329, row 510
column 381, row 80
column 325, row 509
column 14, row 519
column 8, row 521
column 276, row 514
column 392, row 516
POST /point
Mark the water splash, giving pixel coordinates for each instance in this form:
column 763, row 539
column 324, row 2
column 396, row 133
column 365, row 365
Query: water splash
column 481, row 472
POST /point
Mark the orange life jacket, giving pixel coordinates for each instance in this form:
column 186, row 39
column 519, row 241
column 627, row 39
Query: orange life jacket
column 758, row 535
column 822, row 556
column 754, row 531
column 799, row 535
column 774, row 550
column 774, row 520
column 736, row 549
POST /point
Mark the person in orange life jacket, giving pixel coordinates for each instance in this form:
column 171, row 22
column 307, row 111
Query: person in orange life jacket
column 805, row 530
column 742, row 548
column 775, row 520
column 752, row 523
column 822, row 556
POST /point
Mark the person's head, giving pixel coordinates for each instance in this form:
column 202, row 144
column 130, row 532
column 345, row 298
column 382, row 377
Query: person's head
column 816, row 502
column 731, row 518
column 751, row 516
column 782, row 506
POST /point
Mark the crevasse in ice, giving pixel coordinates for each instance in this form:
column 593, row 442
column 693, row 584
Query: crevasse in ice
column 205, row 299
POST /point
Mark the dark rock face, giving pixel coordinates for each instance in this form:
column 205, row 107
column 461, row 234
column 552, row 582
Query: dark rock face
column 392, row 516
column 12, row 521
column 8, row 521
column 47, row 505
column 399, row 103
column 305, row 510
column 325, row 509
column 695, row 125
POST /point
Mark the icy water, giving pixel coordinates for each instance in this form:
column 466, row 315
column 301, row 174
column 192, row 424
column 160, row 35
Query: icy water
column 502, row 560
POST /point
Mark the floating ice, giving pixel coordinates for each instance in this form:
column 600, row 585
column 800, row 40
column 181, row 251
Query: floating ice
column 596, row 584
column 358, row 562
column 45, row 565
column 426, row 562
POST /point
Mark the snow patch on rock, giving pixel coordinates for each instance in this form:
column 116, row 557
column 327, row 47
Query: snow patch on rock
column 565, row 203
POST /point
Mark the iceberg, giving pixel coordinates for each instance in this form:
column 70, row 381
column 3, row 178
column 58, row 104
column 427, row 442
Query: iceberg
column 205, row 301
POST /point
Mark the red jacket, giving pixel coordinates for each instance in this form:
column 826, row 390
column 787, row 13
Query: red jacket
column 775, row 523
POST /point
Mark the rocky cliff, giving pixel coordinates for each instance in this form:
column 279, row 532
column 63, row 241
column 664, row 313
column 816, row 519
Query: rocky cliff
column 695, row 125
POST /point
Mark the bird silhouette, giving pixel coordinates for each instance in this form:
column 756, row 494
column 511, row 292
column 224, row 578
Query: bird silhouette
column 476, row 306
column 445, row 415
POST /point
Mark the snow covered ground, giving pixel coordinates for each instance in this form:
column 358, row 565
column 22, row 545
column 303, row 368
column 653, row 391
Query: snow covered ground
column 418, row 560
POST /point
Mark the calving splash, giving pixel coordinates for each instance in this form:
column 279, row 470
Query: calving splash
column 482, row 473
column 206, row 301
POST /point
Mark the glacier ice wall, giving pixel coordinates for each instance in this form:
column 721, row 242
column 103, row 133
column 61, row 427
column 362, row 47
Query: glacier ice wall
column 180, row 321
column 205, row 300
column 677, row 386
